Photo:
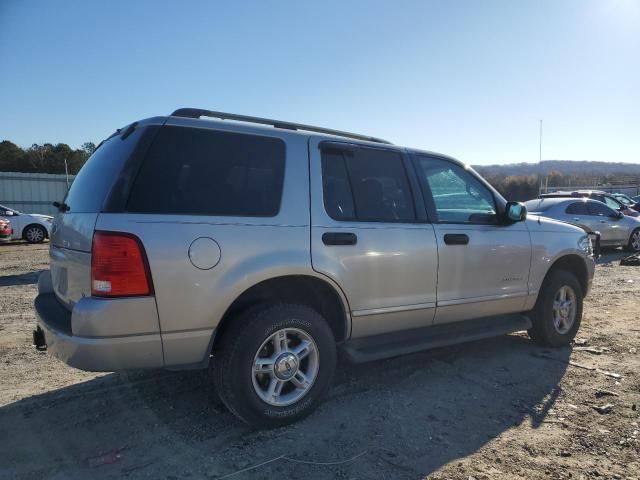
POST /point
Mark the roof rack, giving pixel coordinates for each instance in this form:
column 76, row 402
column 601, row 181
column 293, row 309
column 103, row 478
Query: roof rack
column 198, row 112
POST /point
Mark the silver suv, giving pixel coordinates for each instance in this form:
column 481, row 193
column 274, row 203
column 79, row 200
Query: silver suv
column 259, row 247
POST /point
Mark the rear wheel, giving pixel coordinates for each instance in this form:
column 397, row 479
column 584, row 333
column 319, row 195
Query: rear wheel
column 558, row 311
column 274, row 364
column 34, row 234
column 634, row 241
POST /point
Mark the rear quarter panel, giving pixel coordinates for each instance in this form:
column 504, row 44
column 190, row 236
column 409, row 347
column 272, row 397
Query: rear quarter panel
column 190, row 300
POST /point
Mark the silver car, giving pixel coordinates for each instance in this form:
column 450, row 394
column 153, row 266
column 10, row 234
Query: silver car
column 258, row 248
column 615, row 228
column 32, row 227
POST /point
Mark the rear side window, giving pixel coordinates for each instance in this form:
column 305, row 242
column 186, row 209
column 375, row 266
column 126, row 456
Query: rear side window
column 96, row 178
column 577, row 208
column 207, row 172
column 366, row 185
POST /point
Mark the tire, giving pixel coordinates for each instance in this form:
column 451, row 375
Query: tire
column 553, row 328
column 634, row 241
column 252, row 340
column 34, row 234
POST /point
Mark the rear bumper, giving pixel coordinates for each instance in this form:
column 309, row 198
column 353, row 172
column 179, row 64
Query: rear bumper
column 92, row 350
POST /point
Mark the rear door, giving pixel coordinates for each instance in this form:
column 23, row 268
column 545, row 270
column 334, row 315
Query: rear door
column 483, row 265
column 577, row 213
column 368, row 235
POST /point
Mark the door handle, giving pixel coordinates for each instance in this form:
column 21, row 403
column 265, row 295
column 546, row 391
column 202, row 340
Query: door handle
column 456, row 239
column 576, row 219
column 339, row 238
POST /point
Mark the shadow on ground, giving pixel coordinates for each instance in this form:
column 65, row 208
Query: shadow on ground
column 22, row 279
column 404, row 417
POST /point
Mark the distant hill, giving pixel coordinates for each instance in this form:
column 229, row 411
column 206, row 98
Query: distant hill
column 564, row 167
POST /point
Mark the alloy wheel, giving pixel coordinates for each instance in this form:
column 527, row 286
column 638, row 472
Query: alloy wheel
column 34, row 234
column 564, row 309
column 285, row 367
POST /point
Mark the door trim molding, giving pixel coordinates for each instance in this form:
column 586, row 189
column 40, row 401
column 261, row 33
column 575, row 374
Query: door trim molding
column 463, row 301
column 385, row 310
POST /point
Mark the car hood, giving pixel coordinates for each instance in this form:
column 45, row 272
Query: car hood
column 544, row 224
column 39, row 215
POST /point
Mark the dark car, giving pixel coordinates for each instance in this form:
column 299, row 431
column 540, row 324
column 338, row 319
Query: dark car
column 628, row 201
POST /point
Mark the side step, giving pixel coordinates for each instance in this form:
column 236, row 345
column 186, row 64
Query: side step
column 394, row 344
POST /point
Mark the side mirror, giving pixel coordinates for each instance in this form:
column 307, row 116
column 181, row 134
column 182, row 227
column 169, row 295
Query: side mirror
column 515, row 212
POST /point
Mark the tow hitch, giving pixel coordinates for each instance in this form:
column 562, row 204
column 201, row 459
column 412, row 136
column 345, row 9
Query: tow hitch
column 39, row 340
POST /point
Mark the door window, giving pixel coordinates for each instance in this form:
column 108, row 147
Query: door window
column 367, row 185
column 577, row 208
column 457, row 196
column 600, row 209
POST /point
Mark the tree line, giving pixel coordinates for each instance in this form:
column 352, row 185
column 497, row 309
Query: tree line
column 520, row 188
column 45, row 158
column 50, row 158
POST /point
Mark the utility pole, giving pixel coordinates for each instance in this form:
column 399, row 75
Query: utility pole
column 540, row 158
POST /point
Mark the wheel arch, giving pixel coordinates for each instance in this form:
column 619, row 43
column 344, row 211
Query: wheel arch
column 33, row 224
column 311, row 290
column 574, row 264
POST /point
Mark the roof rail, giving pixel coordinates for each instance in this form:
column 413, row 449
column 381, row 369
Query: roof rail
column 198, row 112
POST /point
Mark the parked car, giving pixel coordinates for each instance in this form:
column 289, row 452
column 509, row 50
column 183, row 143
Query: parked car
column 32, row 227
column 6, row 232
column 615, row 228
column 604, row 197
column 261, row 246
column 628, row 201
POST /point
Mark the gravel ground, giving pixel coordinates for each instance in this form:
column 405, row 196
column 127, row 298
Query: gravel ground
column 500, row 408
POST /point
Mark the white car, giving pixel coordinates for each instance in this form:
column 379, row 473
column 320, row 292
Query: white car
column 32, row 227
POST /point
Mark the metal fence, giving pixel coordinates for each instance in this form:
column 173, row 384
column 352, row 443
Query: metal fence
column 32, row 192
column 629, row 189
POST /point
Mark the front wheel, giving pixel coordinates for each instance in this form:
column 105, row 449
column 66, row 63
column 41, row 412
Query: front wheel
column 558, row 311
column 274, row 364
column 634, row 241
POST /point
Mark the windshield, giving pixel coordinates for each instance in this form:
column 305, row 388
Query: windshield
column 624, row 199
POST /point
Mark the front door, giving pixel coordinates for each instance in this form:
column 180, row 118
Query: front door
column 483, row 265
column 608, row 222
column 367, row 234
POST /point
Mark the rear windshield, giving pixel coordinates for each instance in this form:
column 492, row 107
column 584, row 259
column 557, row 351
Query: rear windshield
column 207, row 172
column 539, row 205
column 92, row 184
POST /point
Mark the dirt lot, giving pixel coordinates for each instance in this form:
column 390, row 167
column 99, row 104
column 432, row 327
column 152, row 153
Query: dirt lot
column 501, row 408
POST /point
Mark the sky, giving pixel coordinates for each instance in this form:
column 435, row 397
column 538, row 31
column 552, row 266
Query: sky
column 471, row 79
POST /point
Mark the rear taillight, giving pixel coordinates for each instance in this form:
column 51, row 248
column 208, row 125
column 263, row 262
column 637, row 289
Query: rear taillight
column 119, row 266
